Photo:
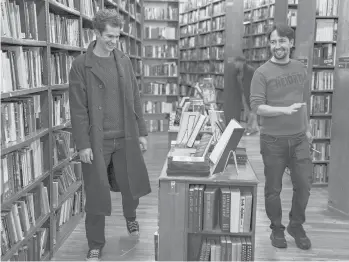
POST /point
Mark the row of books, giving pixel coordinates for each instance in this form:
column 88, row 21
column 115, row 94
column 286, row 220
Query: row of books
column 88, row 35
column 202, row 67
column 61, row 108
column 35, row 248
column 321, row 128
column 160, row 88
column 164, row 69
column 326, row 30
column 215, row 38
column 186, row 6
column 327, row 7
column 22, row 68
column 320, row 173
column 60, row 67
column 260, row 14
column 63, row 179
column 322, row 80
column 257, row 54
column 63, row 146
column 325, row 151
column 89, row 7
column 20, row 118
column 18, row 219
column 19, row 19
column 161, row 13
column 158, row 107
column 21, row 168
column 324, row 55
column 224, row 209
column 161, row 51
column 292, row 17
column 69, row 3
column 321, row 104
column 64, row 30
column 256, row 41
column 293, row 2
column 249, row 4
column 155, row 125
column 218, row 80
column 156, row 32
column 212, row 53
column 225, row 248
column 258, row 28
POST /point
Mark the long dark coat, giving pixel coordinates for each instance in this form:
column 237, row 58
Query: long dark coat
column 86, row 99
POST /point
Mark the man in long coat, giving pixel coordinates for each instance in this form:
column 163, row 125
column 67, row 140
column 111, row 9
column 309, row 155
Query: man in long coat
column 109, row 129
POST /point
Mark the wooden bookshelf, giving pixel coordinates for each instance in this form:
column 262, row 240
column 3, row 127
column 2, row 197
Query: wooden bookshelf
column 258, row 18
column 185, row 243
column 338, row 184
column 310, row 42
column 43, row 59
column 160, row 55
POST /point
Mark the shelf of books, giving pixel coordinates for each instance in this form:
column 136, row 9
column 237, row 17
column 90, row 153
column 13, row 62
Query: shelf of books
column 316, row 38
column 207, row 192
column 258, row 18
column 41, row 182
column 202, row 41
column 292, row 18
column 160, row 90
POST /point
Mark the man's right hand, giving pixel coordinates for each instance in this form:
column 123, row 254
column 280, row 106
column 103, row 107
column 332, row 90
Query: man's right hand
column 86, row 155
column 293, row 108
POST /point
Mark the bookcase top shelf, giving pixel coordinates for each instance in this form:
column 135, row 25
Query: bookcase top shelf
column 246, row 177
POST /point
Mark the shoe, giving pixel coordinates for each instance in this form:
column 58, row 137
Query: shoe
column 278, row 239
column 298, row 233
column 94, row 255
column 132, row 228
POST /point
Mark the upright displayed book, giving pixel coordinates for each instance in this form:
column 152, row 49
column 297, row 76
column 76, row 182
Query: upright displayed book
column 317, row 26
column 206, row 46
column 41, row 186
column 161, row 58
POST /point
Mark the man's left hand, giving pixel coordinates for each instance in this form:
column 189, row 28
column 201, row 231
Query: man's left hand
column 144, row 143
column 309, row 137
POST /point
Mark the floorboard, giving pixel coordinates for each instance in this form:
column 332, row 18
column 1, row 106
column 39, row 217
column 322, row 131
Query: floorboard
column 328, row 231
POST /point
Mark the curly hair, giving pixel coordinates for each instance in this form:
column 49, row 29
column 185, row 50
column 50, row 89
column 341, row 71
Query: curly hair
column 106, row 16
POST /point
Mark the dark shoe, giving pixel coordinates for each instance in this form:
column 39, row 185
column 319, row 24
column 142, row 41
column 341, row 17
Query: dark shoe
column 94, row 255
column 278, row 239
column 132, row 228
column 298, row 233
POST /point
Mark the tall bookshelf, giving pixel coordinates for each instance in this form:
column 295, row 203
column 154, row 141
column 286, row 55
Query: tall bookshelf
column 160, row 86
column 316, row 40
column 338, row 192
column 258, row 18
column 207, row 48
column 42, row 187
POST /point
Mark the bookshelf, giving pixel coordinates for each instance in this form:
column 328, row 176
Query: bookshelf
column 338, row 170
column 42, row 188
column 258, row 18
column 160, row 88
column 207, row 49
column 187, row 233
column 316, row 40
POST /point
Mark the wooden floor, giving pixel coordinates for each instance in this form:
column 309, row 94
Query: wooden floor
column 328, row 231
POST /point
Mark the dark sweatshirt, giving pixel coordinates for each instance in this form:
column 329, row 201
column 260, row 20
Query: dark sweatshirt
column 280, row 85
column 113, row 114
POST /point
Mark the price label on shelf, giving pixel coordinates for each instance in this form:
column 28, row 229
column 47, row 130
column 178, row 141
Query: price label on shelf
column 343, row 62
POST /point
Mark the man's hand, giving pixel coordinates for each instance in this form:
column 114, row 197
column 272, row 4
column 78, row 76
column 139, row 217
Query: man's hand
column 309, row 137
column 86, row 155
column 144, row 143
column 293, row 108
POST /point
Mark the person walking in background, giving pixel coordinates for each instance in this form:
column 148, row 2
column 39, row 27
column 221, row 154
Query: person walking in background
column 108, row 128
column 244, row 77
column 277, row 97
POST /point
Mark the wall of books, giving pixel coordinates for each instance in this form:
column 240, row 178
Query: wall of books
column 160, row 55
column 259, row 16
column 41, row 184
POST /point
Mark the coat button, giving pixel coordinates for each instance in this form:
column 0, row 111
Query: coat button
column 99, row 107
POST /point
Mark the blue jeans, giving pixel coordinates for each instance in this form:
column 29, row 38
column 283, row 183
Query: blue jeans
column 278, row 153
column 95, row 224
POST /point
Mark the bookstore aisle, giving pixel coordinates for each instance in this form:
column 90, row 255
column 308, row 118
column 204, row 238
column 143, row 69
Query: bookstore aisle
column 327, row 230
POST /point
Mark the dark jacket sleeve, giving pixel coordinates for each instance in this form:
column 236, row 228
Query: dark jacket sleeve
column 258, row 91
column 138, row 104
column 79, row 108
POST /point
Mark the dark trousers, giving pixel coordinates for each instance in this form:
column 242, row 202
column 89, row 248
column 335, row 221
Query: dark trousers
column 95, row 224
column 277, row 153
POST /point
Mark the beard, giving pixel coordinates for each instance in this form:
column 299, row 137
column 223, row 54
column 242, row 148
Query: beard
column 280, row 53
